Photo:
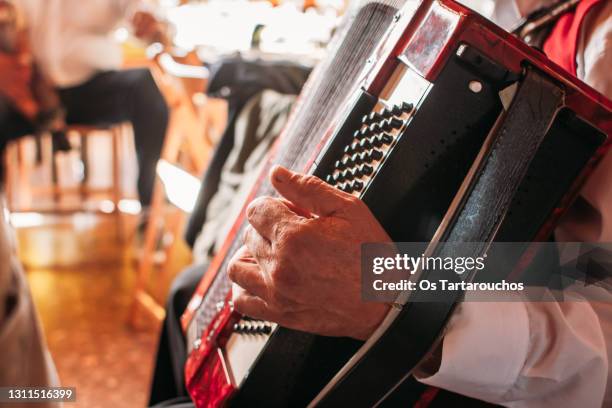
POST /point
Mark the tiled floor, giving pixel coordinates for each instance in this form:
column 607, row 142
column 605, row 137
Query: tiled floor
column 81, row 278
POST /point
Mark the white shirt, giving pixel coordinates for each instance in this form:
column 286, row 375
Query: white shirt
column 72, row 39
column 525, row 354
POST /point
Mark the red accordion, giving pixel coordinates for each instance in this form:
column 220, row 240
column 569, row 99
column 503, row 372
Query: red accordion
column 411, row 96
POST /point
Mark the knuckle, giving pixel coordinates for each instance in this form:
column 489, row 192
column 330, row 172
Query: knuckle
column 241, row 304
column 312, row 182
column 353, row 201
column 232, row 271
column 246, row 234
column 254, row 207
column 355, row 204
column 296, row 178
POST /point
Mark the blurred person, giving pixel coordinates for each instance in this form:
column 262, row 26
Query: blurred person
column 28, row 103
column 72, row 43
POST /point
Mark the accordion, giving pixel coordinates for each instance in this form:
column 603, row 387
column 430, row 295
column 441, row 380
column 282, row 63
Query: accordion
column 449, row 129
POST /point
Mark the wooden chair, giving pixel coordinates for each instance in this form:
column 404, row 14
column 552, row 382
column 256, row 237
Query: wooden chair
column 25, row 194
column 196, row 122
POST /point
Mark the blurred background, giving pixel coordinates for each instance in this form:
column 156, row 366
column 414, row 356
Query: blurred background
column 132, row 149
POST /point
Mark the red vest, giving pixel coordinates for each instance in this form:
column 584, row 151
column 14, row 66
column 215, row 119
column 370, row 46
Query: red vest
column 561, row 45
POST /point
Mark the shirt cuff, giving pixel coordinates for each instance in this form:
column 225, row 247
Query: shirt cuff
column 483, row 350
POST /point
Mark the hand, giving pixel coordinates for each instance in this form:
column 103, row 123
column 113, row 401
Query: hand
column 147, row 27
column 301, row 262
column 15, row 83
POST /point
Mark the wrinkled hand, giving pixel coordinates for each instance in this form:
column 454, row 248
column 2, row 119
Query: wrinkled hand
column 300, row 265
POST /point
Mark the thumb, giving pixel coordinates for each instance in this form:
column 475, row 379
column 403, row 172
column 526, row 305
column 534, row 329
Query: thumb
column 308, row 192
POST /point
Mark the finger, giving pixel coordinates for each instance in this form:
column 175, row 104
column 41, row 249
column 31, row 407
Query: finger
column 267, row 215
column 253, row 306
column 246, row 273
column 308, row 192
column 259, row 247
column 257, row 308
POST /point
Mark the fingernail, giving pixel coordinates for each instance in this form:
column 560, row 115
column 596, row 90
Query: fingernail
column 279, row 173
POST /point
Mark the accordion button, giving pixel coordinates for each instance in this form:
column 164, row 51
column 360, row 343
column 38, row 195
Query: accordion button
column 348, row 149
column 348, row 187
column 356, row 158
column 374, row 117
column 348, row 162
column 347, row 174
column 339, row 165
column 365, row 144
column 406, row 107
column 396, row 110
column 365, row 132
column 356, row 134
column 357, row 185
column 376, row 154
column 365, row 119
column 366, row 170
column 374, row 128
column 376, row 141
column 266, row 329
column 386, row 125
column 386, row 113
column 386, row 138
column 330, row 179
column 395, row 123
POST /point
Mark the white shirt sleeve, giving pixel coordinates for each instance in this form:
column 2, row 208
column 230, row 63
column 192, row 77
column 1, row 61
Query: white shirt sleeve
column 527, row 354
column 594, row 63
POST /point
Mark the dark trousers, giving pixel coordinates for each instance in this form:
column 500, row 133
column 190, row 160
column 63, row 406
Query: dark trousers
column 113, row 97
column 168, row 377
column 12, row 123
column 12, row 126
